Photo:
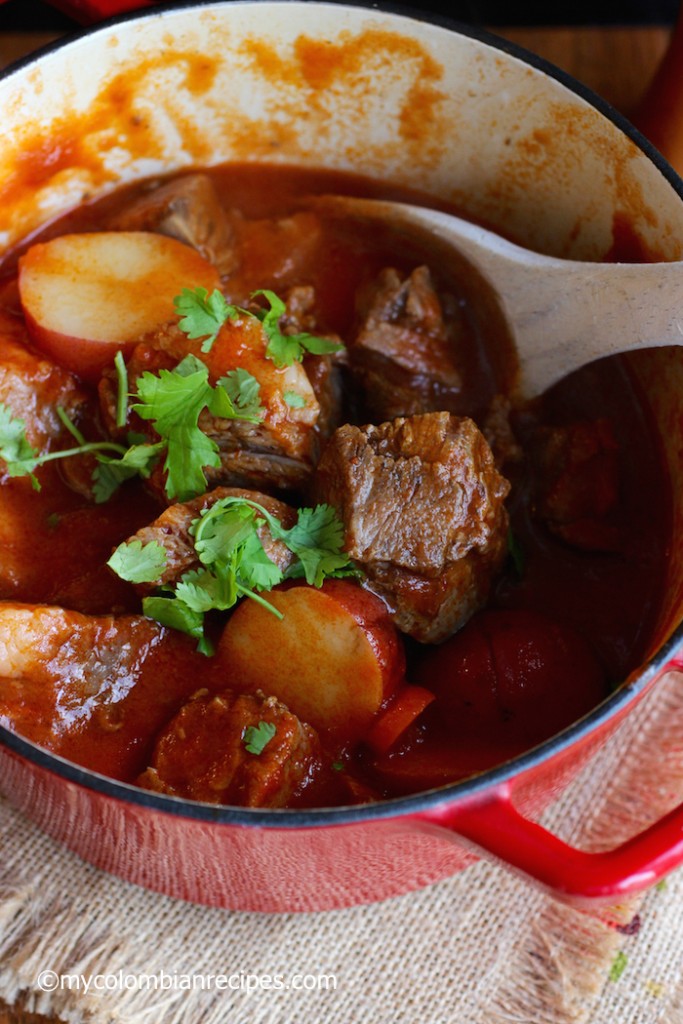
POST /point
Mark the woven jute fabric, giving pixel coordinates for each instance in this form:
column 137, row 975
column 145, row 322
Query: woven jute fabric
column 480, row 948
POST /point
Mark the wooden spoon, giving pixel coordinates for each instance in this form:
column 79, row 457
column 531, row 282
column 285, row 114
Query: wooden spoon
column 561, row 314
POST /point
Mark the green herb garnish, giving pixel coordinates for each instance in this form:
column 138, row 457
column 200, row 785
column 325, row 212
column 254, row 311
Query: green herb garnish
column 112, row 471
column 137, row 562
column 122, row 391
column 257, row 737
column 173, row 401
column 234, row 563
column 294, row 400
column 203, row 315
column 22, row 459
column 285, row 349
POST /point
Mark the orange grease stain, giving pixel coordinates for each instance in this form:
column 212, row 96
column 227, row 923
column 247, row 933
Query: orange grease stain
column 351, row 64
column 79, row 141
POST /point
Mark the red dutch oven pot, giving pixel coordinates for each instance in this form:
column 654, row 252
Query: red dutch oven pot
column 424, row 103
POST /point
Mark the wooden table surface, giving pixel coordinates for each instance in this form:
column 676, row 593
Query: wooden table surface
column 618, row 63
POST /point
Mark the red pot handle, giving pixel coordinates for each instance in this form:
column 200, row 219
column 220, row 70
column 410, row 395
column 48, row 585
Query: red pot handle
column 494, row 826
column 89, row 11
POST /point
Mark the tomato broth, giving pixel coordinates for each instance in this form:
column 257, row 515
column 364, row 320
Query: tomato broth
column 571, row 607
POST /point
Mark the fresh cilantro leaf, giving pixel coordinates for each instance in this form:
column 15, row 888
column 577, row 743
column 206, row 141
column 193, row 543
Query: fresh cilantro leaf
column 235, row 564
column 285, row 349
column 174, row 400
column 263, row 574
column 337, row 766
column 172, row 612
column 294, row 400
column 243, row 390
column 257, row 737
column 138, row 562
column 20, row 457
column 203, row 592
column 110, row 473
column 221, row 529
column 317, row 539
column 202, row 314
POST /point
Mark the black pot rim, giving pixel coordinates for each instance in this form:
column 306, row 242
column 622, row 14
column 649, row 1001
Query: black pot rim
column 467, row 789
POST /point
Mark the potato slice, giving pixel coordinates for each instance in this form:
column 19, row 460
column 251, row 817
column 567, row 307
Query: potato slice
column 333, row 659
column 87, row 296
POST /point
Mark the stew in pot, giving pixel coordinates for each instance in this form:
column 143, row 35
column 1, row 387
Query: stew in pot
column 275, row 531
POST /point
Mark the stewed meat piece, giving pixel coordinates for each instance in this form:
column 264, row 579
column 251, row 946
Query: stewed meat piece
column 172, row 531
column 33, row 389
column 325, row 372
column 423, row 510
column 186, row 208
column 277, row 453
column 579, row 483
column 98, row 685
column 243, row 749
column 404, row 354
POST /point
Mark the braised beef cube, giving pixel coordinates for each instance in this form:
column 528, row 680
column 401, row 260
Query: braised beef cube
column 277, row 453
column 188, row 209
column 404, row 354
column 172, row 531
column 422, row 505
column 75, row 682
column 497, row 428
column 33, row 389
column 204, row 753
column 578, row 488
column 325, row 372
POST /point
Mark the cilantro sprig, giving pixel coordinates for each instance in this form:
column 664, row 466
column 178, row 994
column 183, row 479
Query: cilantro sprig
column 234, row 563
column 285, row 349
column 173, row 400
column 203, row 315
column 22, row 459
column 257, row 737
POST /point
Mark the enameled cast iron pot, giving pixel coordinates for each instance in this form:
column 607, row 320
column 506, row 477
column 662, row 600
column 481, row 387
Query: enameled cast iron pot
column 422, row 103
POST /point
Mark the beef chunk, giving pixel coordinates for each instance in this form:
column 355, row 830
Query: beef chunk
column 578, row 490
column 276, row 454
column 404, row 354
column 202, row 754
column 172, row 531
column 33, row 388
column 324, row 372
column 188, row 209
column 422, row 506
column 87, row 687
column 497, row 429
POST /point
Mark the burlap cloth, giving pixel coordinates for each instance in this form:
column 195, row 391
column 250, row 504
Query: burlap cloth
column 480, row 948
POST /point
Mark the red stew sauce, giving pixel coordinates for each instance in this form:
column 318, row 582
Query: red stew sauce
column 570, row 608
